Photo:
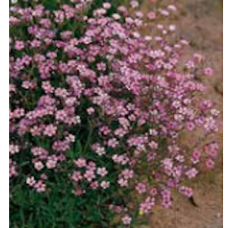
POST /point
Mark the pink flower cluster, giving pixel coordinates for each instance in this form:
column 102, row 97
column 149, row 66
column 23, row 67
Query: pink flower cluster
column 124, row 97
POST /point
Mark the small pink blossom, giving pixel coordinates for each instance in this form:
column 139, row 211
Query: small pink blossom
column 122, row 182
column 81, row 162
column 113, row 143
column 94, row 185
column 210, row 164
column 50, row 130
column 30, row 181
column 13, row 149
column 38, row 166
column 76, row 176
column 90, row 110
column 186, row 191
column 51, row 164
column 208, row 71
column 141, row 188
column 89, row 175
column 102, row 171
column 105, row 184
column 126, row 220
column 19, row 45
column 191, row 173
column 107, row 5
column 40, row 186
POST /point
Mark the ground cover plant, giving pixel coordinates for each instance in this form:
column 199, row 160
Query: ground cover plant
column 97, row 111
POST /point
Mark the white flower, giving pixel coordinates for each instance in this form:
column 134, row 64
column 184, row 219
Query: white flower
column 126, row 220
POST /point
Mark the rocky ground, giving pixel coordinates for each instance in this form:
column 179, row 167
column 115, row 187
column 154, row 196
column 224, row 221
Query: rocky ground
column 200, row 22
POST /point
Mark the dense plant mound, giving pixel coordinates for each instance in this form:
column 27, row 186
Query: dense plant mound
column 97, row 110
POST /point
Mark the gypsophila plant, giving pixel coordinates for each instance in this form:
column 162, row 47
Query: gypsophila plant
column 97, row 112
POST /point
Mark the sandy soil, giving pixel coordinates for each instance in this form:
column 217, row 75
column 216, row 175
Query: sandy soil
column 200, row 22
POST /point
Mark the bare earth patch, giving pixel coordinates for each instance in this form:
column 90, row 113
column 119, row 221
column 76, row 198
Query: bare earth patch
column 200, row 22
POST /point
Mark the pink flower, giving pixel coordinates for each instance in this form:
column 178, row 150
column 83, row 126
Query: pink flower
column 172, row 8
column 61, row 115
column 50, row 130
column 126, row 220
column 186, row 191
column 76, row 176
column 166, row 198
column 122, row 182
column 98, row 149
column 89, row 175
column 94, row 185
column 208, row 71
column 81, row 162
column 102, row 171
column 107, row 5
column 196, row 156
column 198, row 58
column 134, row 4
column 19, row 45
column 51, row 164
column 47, row 87
column 210, row 164
column 105, row 184
column 190, row 126
column 127, row 173
column 140, row 188
column 153, row 191
column 116, row 16
column 70, row 138
column 101, row 66
column 90, row 110
column 147, row 205
column 38, row 166
column 13, row 149
column 122, row 9
column 191, row 173
column 30, row 181
column 153, row 145
column 113, row 143
column 12, row 170
column 212, row 149
column 151, row 15
column 40, row 186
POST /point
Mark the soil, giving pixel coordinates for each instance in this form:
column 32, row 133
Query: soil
column 201, row 23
